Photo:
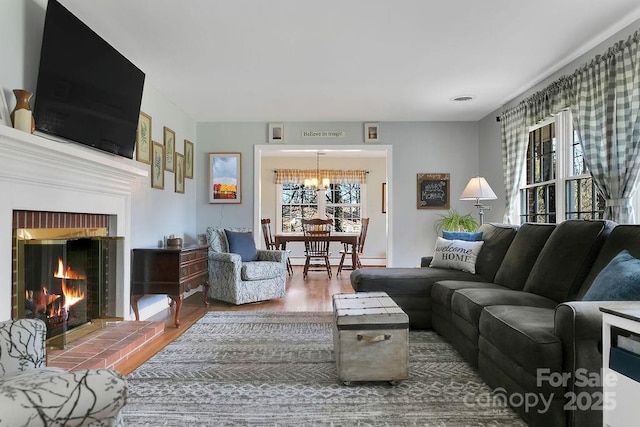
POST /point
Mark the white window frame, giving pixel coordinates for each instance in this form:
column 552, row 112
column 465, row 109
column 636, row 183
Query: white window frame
column 322, row 204
column 564, row 167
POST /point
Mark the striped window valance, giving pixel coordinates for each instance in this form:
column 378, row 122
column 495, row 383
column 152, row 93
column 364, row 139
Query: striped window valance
column 297, row 176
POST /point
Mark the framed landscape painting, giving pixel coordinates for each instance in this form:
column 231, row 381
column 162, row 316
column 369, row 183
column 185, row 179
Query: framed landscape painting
column 169, row 149
column 157, row 166
column 224, row 177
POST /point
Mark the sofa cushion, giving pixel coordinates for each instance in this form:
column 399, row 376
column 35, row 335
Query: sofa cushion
column 469, row 303
column 467, row 236
column 242, row 243
column 565, row 259
column 404, row 281
column 525, row 334
column 497, row 238
column 442, row 291
column 456, row 254
column 522, row 255
column 623, row 237
column 618, row 281
column 260, row 270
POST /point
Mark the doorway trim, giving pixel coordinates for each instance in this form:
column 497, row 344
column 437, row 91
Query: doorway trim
column 257, row 184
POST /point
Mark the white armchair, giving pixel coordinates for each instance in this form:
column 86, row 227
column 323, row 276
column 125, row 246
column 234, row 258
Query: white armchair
column 32, row 394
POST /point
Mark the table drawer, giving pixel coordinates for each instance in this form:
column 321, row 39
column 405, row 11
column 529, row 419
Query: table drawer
column 193, row 255
column 193, row 268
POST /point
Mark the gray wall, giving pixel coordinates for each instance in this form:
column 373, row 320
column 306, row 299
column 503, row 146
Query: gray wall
column 417, row 147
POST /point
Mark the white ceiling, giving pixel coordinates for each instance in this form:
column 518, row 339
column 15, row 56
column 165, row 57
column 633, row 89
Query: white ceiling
column 349, row 60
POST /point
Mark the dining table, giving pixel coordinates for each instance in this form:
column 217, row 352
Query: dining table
column 281, row 240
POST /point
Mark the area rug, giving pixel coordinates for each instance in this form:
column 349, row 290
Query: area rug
column 278, row 369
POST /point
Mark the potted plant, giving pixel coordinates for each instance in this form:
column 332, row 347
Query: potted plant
column 455, row 221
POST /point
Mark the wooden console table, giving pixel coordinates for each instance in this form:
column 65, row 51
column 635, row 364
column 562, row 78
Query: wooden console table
column 168, row 270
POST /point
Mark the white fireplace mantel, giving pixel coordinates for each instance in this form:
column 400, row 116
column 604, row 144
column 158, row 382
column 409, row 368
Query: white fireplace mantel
column 44, row 175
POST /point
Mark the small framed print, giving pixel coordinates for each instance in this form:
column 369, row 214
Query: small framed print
column 143, row 139
column 224, row 177
column 371, row 132
column 5, row 119
column 157, row 165
column 276, row 133
column 179, row 159
column 169, row 149
column 188, row 159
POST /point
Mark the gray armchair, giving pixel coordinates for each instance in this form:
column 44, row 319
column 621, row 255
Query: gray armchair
column 34, row 395
column 238, row 282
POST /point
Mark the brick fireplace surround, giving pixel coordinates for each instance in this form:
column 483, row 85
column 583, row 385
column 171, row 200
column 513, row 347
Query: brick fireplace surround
column 42, row 175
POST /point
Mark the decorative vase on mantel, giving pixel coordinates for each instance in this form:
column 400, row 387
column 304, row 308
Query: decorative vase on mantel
column 21, row 116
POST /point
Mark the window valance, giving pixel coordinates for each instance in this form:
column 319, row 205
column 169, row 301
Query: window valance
column 297, row 176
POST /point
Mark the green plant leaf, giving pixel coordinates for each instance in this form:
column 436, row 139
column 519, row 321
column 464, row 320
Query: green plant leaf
column 455, row 221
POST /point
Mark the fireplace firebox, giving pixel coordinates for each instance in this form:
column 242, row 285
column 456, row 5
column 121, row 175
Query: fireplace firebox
column 67, row 281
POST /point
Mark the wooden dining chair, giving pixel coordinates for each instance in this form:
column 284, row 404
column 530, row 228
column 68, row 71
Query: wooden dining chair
column 316, row 244
column 359, row 248
column 270, row 243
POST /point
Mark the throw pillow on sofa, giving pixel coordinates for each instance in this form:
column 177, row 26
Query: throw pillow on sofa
column 618, row 281
column 242, row 244
column 468, row 236
column 456, row 254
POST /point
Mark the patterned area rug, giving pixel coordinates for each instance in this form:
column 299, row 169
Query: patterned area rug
column 278, row 369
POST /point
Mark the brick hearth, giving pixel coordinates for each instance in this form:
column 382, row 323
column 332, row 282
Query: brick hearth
column 106, row 347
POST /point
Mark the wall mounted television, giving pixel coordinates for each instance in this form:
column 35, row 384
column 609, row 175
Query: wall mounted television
column 87, row 92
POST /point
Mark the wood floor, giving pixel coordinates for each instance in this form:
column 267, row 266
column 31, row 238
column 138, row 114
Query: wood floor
column 310, row 294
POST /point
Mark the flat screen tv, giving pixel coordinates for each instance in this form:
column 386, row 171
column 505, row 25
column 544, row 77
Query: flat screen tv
column 87, row 92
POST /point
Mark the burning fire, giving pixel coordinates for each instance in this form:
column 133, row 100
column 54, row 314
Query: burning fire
column 68, row 273
column 71, row 296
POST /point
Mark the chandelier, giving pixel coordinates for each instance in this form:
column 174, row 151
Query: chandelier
column 317, row 183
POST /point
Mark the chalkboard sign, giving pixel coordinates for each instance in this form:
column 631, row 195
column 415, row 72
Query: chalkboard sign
column 433, row 191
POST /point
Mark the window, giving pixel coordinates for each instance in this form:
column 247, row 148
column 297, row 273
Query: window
column 342, row 202
column 557, row 184
column 582, row 197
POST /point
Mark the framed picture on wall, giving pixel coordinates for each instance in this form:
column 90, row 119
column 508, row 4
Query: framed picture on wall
column 371, row 132
column 157, row 165
column 169, row 149
column 384, row 197
column 225, row 171
column 188, row 159
column 276, row 133
column 143, row 139
column 433, row 190
column 179, row 175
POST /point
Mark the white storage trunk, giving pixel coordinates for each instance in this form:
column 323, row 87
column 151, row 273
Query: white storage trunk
column 370, row 338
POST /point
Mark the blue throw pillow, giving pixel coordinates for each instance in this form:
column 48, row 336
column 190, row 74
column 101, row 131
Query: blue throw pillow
column 467, row 236
column 618, row 281
column 242, row 244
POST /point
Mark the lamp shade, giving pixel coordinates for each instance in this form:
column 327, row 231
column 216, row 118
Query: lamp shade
column 478, row 189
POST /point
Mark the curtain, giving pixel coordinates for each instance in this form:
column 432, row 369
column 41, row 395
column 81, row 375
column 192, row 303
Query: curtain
column 297, row 176
column 514, row 149
column 606, row 115
column 515, row 124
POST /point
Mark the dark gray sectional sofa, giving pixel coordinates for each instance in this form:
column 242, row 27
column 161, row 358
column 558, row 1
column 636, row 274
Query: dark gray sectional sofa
column 520, row 318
